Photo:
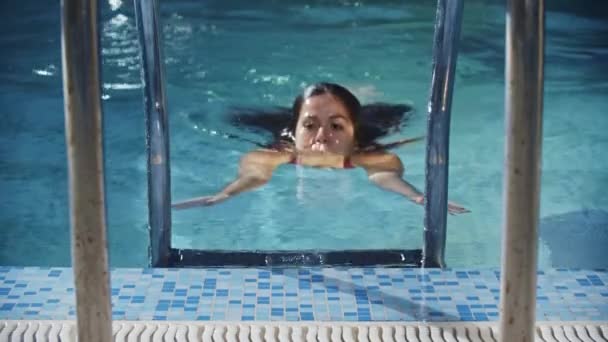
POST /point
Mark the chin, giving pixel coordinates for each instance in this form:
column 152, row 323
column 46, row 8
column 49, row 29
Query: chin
column 340, row 152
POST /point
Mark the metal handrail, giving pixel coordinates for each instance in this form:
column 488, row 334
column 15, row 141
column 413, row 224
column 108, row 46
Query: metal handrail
column 83, row 126
column 523, row 112
column 447, row 32
column 157, row 132
column 445, row 53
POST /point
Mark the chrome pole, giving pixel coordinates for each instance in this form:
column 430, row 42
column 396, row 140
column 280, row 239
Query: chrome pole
column 523, row 107
column 83, row 125
column 157, row 132
column 445, row 53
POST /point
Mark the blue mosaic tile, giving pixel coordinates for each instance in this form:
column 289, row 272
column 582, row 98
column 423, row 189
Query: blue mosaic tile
column 348, row 294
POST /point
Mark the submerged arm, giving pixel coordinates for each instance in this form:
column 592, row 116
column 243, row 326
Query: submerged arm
column 255, row 169
column 386, row 171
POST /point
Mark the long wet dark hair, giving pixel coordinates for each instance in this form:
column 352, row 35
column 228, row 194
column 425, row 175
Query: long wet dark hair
column 370, row 121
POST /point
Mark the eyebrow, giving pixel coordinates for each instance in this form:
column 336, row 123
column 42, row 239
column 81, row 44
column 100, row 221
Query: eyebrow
column 331, row 117
column 338, row 116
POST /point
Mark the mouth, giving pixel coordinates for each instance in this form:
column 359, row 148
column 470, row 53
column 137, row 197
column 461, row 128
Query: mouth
column 318, row 147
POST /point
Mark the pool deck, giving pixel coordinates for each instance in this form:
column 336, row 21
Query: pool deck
column 303, row 294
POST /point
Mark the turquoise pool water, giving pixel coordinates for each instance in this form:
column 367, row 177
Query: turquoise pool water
column 240, row 54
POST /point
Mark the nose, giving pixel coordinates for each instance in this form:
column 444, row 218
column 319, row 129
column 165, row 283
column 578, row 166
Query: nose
column 321, row 137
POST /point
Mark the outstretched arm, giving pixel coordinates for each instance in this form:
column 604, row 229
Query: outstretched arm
column 386, row 171
column 255, row 169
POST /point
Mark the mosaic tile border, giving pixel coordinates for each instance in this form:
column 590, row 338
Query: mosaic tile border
column 303, row 294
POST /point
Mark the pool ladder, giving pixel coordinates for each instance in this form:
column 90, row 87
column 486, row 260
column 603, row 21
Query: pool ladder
column 524, row 90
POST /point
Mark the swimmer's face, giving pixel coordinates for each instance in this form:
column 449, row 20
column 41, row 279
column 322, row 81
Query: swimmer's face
column 325, row 125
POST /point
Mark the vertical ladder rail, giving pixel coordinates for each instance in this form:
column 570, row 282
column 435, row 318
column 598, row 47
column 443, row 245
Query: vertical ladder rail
column 157, row 132
column 445, row 53
column 83, row 125
column 523, row 107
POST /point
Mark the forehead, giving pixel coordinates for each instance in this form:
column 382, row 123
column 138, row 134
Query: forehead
column 323, row 105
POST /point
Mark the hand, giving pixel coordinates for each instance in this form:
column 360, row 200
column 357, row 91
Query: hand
column 453, row 208
column 204, row 201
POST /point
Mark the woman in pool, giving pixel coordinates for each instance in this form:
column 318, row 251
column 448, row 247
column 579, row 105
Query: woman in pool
column 325, row 126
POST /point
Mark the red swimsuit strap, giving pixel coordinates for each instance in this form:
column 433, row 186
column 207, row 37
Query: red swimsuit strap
column 348, row 164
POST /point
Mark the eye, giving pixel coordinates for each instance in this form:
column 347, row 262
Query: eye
column 308, row 125
column 337, row 127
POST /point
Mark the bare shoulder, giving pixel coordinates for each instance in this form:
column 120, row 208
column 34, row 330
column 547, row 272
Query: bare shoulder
column 378, row 160
column 375, row 157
